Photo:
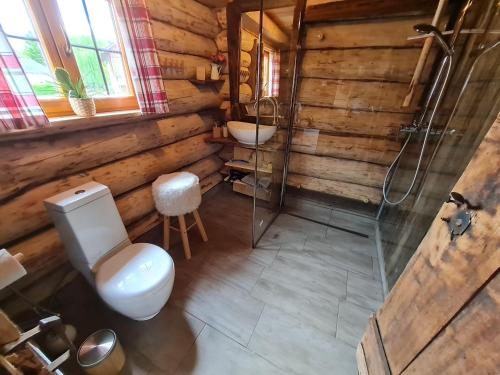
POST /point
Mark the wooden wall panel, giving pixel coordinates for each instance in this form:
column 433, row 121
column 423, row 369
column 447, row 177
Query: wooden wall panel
column 26, row 213
column 348, row 121
column 181, row 66
column 357, row 172
column 382, row 64
column 348, row 190
column 62, row 155
column 469, row 344
column 187, row 14
column 374, row 150
column 185, row 97
column 172, row 39
column 384, row 32
column 356, row 95
column 354, row 76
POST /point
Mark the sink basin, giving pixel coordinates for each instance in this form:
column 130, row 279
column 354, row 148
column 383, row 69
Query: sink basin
column 244, row 132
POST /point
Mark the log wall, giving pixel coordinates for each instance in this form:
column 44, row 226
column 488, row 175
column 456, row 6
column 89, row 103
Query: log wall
column 353, row 78
column 127, row 156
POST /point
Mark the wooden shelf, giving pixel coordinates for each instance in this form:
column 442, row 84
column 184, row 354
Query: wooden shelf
column 242, row 188
column 246, row 167
column 206, row 82
column 268, row 146
column 227, row 141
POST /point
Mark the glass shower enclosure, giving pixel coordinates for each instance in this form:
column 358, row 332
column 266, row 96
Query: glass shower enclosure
column 345, row 114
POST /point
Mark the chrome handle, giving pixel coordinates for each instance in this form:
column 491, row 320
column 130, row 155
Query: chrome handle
column 67, row 48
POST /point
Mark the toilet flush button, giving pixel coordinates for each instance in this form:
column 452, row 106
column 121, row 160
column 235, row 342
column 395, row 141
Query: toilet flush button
column 81, row 191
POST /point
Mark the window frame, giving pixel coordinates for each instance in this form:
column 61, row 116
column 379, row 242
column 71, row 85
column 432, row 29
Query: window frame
column 49, row 26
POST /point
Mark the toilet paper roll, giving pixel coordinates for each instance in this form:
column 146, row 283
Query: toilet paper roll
column 10, row 269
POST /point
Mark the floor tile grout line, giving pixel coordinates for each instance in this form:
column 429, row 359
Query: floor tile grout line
column 255, row 327
column 192, row 344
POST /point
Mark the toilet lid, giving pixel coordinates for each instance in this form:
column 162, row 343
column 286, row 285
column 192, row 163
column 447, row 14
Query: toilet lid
column 134, row 271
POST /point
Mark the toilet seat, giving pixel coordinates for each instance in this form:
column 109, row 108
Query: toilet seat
column 137, row 280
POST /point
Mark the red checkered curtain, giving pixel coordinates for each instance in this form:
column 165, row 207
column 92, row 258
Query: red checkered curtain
column 19, row 108
column 142, row 57
column 275, row 90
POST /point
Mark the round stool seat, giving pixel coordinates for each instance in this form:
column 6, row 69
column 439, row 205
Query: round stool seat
column 177, row 193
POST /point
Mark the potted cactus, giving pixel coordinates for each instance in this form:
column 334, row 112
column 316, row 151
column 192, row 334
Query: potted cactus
column 79, row 101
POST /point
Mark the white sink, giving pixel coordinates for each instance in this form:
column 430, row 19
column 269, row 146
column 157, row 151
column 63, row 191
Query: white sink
column 244, row 132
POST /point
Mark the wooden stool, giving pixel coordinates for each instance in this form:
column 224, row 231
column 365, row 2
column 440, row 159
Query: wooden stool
column 178, row 194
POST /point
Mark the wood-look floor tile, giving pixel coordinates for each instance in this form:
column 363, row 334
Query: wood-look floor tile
column 165, row 339
column 277, row 237
column 300, row 348
column 238, row 269
column 352, row 222
column 263, row 256
column 335, row 253
column 350, row 241
column 307, row 278
column 364, row 291
column 297, row 224
column 226, row 307
column 308, row 209
column 215, row 354
column 352, row 323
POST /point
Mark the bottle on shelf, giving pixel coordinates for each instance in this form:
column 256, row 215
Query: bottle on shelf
column 225, row 133
column 216, row 131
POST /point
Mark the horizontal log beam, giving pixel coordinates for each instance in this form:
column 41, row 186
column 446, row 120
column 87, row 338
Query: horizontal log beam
column 382, row 64
column 374, row 150
column 221, row 41
column 26, row 213
column 186, row 14
column 185, row 97
column 357, row 95
column 252, row 5
column 357, row 192
column 343, row 170
column 30, row 163
column 374, row 33
column 346, row 121
column 173, row 39
column 272, row 33
column 362, row 9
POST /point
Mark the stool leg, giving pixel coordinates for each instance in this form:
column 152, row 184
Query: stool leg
column 199, row 223
column 166, row 232
column 184, row 236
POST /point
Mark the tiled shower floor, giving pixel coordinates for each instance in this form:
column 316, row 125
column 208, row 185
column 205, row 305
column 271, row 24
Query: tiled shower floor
column 296, row 305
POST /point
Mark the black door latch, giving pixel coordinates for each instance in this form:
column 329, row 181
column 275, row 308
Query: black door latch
column 461, row 220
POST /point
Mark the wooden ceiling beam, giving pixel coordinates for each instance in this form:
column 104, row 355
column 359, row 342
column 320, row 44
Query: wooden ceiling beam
column 362, row 9
column 271, row 31
column 252, row 5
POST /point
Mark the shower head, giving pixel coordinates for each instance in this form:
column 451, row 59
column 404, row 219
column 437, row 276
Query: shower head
column 425, row 28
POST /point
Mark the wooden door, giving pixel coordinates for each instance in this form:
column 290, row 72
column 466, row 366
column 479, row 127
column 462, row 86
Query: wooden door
column 443, row 314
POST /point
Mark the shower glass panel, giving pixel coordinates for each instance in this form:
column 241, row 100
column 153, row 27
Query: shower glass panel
column 476, row 95
column 353, row 76
column 270, row 90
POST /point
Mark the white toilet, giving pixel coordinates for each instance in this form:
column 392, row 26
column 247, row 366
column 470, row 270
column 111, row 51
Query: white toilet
column 134, row 279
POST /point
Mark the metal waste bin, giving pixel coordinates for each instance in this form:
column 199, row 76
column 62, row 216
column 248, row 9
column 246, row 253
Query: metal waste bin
column 101, row 353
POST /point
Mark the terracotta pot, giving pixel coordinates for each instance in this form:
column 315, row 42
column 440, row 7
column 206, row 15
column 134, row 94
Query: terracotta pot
column 83, row 107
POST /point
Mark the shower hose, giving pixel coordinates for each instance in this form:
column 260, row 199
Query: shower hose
column 393, row 166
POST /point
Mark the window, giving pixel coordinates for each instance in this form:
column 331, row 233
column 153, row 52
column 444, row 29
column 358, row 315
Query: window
column 79, row 35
